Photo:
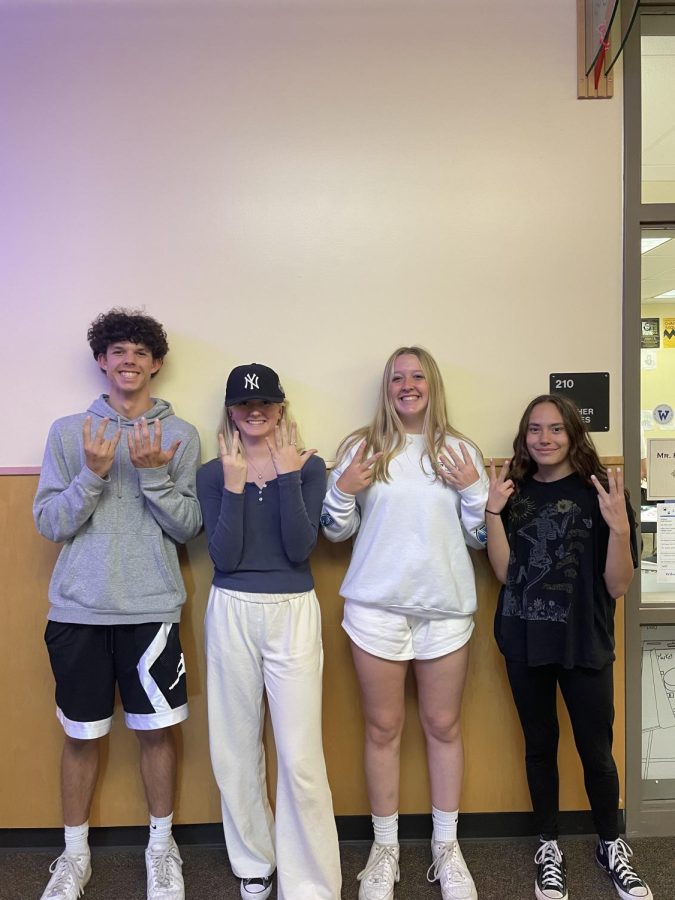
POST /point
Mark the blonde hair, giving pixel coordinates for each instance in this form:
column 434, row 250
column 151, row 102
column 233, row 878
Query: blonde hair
column 227, row 429
column 386, row 432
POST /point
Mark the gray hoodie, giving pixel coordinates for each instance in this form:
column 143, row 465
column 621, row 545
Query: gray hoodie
column 119, row 563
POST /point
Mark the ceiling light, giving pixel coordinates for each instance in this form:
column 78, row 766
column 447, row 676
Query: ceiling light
column 669, row 295
column 647, row 244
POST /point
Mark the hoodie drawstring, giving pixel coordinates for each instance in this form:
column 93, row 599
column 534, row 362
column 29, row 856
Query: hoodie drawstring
column 119, row 461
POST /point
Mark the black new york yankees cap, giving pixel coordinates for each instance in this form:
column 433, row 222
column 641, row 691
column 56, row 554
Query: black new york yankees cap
column 253, row 382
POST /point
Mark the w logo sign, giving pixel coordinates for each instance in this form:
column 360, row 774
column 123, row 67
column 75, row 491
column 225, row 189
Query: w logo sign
column 251, row 382
column 663, row 414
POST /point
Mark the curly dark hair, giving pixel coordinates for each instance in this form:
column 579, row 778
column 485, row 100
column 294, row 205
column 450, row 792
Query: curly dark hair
column 127, row 325
column 582, row 453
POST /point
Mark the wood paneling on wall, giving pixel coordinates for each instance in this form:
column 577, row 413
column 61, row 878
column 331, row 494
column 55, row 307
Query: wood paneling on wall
column 29, row 795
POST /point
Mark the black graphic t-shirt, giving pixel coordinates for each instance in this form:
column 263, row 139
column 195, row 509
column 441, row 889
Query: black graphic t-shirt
column 554, row 607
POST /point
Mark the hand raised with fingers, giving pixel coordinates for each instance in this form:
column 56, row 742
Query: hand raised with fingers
column 613, row 501
column 457, row 471
column 145, row 451
column 359, row 473
column 285, row 455
column 234, row 464
column 501, row 488
column 99, row 452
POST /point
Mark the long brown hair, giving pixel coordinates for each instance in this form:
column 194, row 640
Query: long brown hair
column 583, row 456
column 386, row 431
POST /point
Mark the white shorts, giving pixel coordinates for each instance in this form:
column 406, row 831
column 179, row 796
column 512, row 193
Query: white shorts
column 391, row 635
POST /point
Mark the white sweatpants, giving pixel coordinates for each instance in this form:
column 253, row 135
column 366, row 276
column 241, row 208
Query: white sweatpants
column 271, row 641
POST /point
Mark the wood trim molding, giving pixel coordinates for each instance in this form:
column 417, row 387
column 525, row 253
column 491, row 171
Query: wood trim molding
column 499, row 461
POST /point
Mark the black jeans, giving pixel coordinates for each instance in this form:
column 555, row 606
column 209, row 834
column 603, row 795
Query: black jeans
column 589, row 698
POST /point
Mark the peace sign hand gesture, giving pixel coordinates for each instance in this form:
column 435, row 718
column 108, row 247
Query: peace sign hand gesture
column 501, row 488
column 359, row 473
column 234, row 464
column 613, row 502
column 99, row 452
column 458, row 472
column 285, row 455
column 146, row 452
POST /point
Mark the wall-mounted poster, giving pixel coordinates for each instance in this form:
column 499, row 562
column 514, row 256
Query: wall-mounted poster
column 668, row 332
column 650, row 338
column 658, row 711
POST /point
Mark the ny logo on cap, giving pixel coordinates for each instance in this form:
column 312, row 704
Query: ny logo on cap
column 251, row 382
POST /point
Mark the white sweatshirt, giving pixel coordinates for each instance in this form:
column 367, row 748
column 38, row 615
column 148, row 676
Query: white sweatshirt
column 411, row 534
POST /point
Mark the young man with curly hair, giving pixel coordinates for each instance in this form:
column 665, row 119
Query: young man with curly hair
column 117, row 487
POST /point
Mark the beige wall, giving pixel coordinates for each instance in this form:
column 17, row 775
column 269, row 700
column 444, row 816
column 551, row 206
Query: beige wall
column 307, row 184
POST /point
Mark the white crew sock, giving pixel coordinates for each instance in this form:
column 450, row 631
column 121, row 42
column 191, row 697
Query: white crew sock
column 386, row 829
column 160, row 832
column 445, row 825
column 77, row 839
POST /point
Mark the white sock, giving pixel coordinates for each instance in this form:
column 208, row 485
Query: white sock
column 445, row 824
column 77, row 839
column 386, row 829
column 160, row 832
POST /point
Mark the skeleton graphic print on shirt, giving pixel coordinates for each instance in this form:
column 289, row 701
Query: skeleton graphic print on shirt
column 555, row 538
column 555, row 607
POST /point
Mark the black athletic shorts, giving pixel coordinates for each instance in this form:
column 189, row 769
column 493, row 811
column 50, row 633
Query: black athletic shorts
column 146, row 662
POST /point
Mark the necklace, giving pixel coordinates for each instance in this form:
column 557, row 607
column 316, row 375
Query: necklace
column 260, row 473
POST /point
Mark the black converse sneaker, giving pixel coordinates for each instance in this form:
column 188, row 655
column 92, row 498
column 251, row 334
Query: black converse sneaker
column 551, row 880
column 613, row 856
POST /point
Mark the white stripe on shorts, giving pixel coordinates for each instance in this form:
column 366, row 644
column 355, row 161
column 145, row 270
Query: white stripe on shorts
column 145, row 663
column 151, row 721
column 83, row 730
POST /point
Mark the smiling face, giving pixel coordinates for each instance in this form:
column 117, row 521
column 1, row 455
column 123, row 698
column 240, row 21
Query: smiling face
column 255, row 419
column 409, row 392
column 128, row 367
column 548, row 443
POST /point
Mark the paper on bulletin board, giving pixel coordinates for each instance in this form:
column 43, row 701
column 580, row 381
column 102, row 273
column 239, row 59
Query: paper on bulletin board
column 665, row 525
column 648, row 359
column 660, row 469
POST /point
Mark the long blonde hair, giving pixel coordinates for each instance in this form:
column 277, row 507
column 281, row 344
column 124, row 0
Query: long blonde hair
column 226, row 428
column 386, row 432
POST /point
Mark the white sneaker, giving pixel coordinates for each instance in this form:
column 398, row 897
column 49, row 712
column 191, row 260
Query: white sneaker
column 256, row 888
column 449, row 868
column 165, row 876
column 70, row 874
column 381, row 873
